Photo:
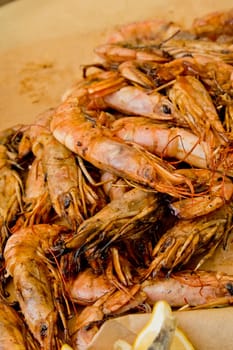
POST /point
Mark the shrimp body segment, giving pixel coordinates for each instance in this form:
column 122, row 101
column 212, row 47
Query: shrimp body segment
column 161, row 140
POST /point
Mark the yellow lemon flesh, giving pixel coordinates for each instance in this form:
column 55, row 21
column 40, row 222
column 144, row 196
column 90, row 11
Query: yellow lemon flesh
column 180, row 341
column 66, row 347
column 159, row 333
column 158, row 330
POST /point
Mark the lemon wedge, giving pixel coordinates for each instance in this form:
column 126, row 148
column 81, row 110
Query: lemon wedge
column 159, row 333
column 158, row 330
column 66, row 347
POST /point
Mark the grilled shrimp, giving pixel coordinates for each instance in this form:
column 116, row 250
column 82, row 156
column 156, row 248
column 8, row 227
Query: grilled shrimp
column 12, row 330
column 62, row 177
column 121, row 52
column 78, row 132
column 197, row 237
column 174, row 142
column 214, row 191
column 26, row 263
column 156, row 30
column 214, row 73
column 214, row 25
column 87, row 287
column 159, row 139
column 59, row 168
column 117, row 302
column 11, row 188
column 116, row 220
column 133, row 100
column 139, row 41
column 181, row 47
column 37, row 203
column 195, row 104
column 191, row 288
column 195, row 289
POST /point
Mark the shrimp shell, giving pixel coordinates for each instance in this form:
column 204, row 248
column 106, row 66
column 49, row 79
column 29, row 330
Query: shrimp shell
column 83, row 136
column 214, row 24
column 12, row 330
column 25, row 261
column 191, row 288
column 189, row 238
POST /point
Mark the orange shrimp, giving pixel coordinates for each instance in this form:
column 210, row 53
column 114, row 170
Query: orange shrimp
column 115, row 219
column 216, row 75
column 12, row 329
column 116, row 302
column 156, row 29
column 78, row 132
column 191, row 288
column 214, row 24
column 197, row 237
column 86, row 288
column 11, row 191
column 215, row 190
column 138, row 41
column 37, row 203
column 173, row 142
column 196, row 106
column 132, row 100
column 183, row 47
column 58, row 166
column 25, row 261
column 121, row 52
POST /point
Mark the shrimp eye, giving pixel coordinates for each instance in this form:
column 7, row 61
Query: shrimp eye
column 43, row 330
column 219, row 179
column 166, row 109
column 67, row 201
column 229, row 287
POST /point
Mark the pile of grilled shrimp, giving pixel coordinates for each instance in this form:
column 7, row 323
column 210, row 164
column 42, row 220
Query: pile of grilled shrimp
column 116, row 197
